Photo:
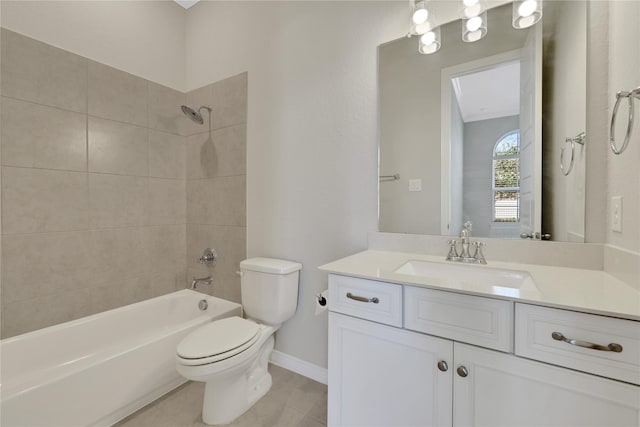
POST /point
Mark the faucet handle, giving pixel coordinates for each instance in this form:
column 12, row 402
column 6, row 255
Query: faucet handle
column 453, row 252
column 478, row 254
column 208, row 257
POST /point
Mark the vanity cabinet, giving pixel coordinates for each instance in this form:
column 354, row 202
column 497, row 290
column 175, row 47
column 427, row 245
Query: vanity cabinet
column 383, row 374
column 503, row 390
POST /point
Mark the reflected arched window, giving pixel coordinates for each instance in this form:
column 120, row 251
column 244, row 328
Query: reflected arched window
column 506, row 178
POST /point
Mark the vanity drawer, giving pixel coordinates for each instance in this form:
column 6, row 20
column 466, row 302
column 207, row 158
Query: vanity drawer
column 536, row 328
column 485, row 322
column 367, row 299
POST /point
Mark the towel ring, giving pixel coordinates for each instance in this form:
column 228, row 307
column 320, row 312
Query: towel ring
column 578, row 139
column 612, row 138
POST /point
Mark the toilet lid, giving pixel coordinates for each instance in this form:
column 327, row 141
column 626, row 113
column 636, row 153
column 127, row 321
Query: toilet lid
column 220, row 336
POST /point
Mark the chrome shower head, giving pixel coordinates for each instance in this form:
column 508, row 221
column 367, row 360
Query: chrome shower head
column 193, row 114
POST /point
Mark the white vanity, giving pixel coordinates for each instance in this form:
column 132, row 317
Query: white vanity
column 416, row 341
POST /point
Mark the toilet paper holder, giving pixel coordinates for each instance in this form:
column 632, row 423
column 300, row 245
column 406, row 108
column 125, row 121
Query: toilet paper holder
column 321, row 299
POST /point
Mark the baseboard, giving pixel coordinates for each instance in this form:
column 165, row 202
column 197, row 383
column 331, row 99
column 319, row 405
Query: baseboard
column 299, row 366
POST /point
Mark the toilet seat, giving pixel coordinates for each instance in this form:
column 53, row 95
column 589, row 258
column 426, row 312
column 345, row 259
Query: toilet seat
column 218, row 340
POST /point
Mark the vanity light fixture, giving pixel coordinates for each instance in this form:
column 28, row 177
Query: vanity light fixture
column 474, row 28
column 526, row 13
column 473, row 14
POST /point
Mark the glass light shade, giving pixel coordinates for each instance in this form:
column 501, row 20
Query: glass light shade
column 474, row 28
column 424, row 27
column 420, row 13
column 470, row 8
column 526, row 13
column 430, row 42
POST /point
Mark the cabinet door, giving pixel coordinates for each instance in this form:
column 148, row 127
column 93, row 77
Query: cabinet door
column 384, row 376
column 505, row 390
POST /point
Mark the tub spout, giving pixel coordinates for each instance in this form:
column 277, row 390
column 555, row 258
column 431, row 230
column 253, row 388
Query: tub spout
column 205, row 280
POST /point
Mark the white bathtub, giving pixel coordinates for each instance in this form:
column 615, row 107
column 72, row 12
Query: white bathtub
column 99, row 369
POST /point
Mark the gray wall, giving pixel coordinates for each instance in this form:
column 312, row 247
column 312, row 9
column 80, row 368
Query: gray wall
column 457, row 166
column 479, row 140
column 564, row 115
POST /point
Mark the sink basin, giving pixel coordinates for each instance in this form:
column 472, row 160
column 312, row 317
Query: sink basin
column 470, row 277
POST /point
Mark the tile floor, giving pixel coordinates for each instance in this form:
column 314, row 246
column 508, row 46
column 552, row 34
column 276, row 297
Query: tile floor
column 293, row 401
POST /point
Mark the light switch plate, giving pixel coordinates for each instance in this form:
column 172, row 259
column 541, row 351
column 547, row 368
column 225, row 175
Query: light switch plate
column 616, row 213
column 415, row 185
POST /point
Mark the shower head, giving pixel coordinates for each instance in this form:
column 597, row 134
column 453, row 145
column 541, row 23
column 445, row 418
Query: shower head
column 195, row 115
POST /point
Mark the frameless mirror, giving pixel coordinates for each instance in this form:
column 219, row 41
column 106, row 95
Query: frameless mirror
column 487, row 132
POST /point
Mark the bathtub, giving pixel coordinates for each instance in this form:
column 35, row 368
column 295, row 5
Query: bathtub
column 101, row 368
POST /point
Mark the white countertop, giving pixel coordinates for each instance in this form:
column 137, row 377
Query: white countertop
column 592, row 291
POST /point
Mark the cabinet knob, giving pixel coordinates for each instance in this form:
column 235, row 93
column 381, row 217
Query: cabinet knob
column 442, row 365
column 462, row 371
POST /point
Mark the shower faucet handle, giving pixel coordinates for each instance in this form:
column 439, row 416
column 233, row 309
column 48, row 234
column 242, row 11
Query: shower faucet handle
column 208, row 257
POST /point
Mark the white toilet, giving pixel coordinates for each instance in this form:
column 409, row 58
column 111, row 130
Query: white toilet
column 231, row 355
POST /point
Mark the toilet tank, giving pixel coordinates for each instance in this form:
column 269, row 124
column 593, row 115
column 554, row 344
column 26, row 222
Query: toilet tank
column 270, row 289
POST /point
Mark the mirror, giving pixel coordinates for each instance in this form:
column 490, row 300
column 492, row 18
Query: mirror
column 477, row 131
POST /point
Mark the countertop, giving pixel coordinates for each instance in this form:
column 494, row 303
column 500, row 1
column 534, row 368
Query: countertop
column 591, row 291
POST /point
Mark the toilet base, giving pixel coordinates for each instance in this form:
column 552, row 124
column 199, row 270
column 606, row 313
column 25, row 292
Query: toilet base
column 226, row 397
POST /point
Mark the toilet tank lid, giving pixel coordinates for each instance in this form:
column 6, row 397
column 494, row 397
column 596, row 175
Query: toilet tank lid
column 270, row 265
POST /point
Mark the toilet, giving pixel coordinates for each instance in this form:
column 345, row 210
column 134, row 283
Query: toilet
column 231, row 355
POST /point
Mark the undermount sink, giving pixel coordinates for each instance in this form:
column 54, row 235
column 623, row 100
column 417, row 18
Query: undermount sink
column 472, row 277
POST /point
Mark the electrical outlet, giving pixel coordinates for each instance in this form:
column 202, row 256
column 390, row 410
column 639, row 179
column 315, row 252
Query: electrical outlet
column 616, row 214
column 415, row 185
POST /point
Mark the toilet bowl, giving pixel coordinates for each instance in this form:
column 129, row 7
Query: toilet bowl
column 231, row 355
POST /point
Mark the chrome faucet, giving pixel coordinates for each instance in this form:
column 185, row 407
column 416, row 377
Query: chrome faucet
column 470, row 252
column 205, row 280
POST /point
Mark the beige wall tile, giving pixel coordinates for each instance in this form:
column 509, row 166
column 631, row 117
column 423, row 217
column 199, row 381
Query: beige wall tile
column 229, row 101
column 42, row 264
column 117, row 201
column 228, row 241
column 43, row 137
column 121, row 253
column 116, row 293
column 217, row 201
column 224, row 154
column 167, row 201
column 165, row 283
column 195, row 99
column 166, row 249
column 223, row 286
column 38, row 200
column 166, row 155
column 29, row 315
column 164, row 109
column 117, row 148
column 116, row 95
column 36, row 72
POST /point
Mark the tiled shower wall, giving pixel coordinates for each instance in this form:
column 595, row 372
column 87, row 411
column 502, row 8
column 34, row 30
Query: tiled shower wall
column 94, row 190
column 216, row 184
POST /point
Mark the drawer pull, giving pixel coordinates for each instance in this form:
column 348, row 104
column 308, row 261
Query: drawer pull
column 374, row 300
column 616, row 348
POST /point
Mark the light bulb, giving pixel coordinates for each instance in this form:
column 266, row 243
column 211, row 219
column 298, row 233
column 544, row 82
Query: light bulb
column 428, row 38
column 474, row 36
column 527, row 8
column 420, row 16
column 473, row 10
column 474, row 24
column 422, row 28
